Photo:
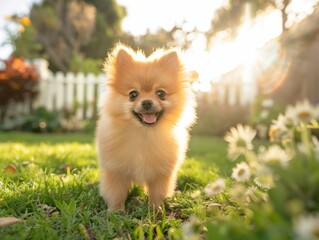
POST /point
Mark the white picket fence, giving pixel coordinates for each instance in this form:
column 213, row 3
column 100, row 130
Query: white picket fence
column 76, row 93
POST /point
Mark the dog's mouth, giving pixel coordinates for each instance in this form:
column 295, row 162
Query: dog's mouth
column 148, row 119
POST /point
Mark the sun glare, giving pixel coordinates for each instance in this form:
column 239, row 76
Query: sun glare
column 244, row 49
column 222, row 56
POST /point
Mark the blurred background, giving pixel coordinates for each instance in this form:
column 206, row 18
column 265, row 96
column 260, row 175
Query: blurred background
column 253, row 57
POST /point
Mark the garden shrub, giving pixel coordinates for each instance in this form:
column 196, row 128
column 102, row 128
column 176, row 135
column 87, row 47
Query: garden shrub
column 41, row 120
column 18, row 82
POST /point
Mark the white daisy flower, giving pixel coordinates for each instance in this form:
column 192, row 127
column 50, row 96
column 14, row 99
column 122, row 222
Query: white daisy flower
column 239, row 140
column 278, row 129
column 241, row 173
column 215, row 188
column 275, row 155
column 302, row 112
column 265, row 181
column 307, row 227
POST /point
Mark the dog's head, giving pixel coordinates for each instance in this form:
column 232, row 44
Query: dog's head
column 150, row 90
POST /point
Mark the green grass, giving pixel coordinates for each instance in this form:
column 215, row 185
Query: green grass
column 55, row 190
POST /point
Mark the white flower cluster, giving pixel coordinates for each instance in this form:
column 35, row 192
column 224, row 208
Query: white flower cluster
column 240, row 143
column 302, row 113
column 215, row 187
column 255, row 170
column 258, row 171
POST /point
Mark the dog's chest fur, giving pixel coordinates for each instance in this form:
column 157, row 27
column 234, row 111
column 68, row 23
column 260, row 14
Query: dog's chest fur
column 141, row 153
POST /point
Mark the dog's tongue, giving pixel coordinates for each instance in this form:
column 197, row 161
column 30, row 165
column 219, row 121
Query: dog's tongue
column 149, row 118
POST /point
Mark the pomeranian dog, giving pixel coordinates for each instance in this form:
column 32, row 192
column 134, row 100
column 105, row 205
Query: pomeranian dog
column 142, row 133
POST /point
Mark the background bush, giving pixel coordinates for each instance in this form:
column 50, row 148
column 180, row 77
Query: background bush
column 18, row 82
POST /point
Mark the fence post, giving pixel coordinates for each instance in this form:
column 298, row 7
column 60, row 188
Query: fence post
column 79, row 81
column 60, row 91
column 101, row 88
column 90, row 96
column 42, row 67
column 70, row 92
column 49, row 92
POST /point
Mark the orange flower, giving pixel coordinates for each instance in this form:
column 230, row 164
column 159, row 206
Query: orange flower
column 25, row 21
column 3, row 76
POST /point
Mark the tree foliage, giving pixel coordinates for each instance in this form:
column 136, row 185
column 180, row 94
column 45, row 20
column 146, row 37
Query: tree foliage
column 162, row 38
column 61, row 30
column 232, row 15
column 107, row 28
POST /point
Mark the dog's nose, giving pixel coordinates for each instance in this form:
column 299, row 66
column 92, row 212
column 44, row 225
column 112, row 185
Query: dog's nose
column 147, row 104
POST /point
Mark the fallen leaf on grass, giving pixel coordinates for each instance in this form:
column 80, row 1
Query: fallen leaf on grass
column 214, row 205
column 55, row 214
column 46, row 208
column 11, row 168
column 67, row 167
column 7, row 221
column 25, row 163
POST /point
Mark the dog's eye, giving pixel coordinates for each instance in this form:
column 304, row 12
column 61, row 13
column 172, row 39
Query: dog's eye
column 161, row 94
column 133, row 95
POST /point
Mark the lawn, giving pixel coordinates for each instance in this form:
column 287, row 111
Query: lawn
column 51, row 182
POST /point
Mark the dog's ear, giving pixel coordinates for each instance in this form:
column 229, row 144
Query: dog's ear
column 170, row 61
column 120, row 58
column 123, row 57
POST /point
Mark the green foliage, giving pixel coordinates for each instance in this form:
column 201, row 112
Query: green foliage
column 41, row 120
column 85, row 65
column 70, row 34
column 151, row 41
column 295, row 194
column 107, row 28
column 232, row 15
column 26, row 44
column 276, row 195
